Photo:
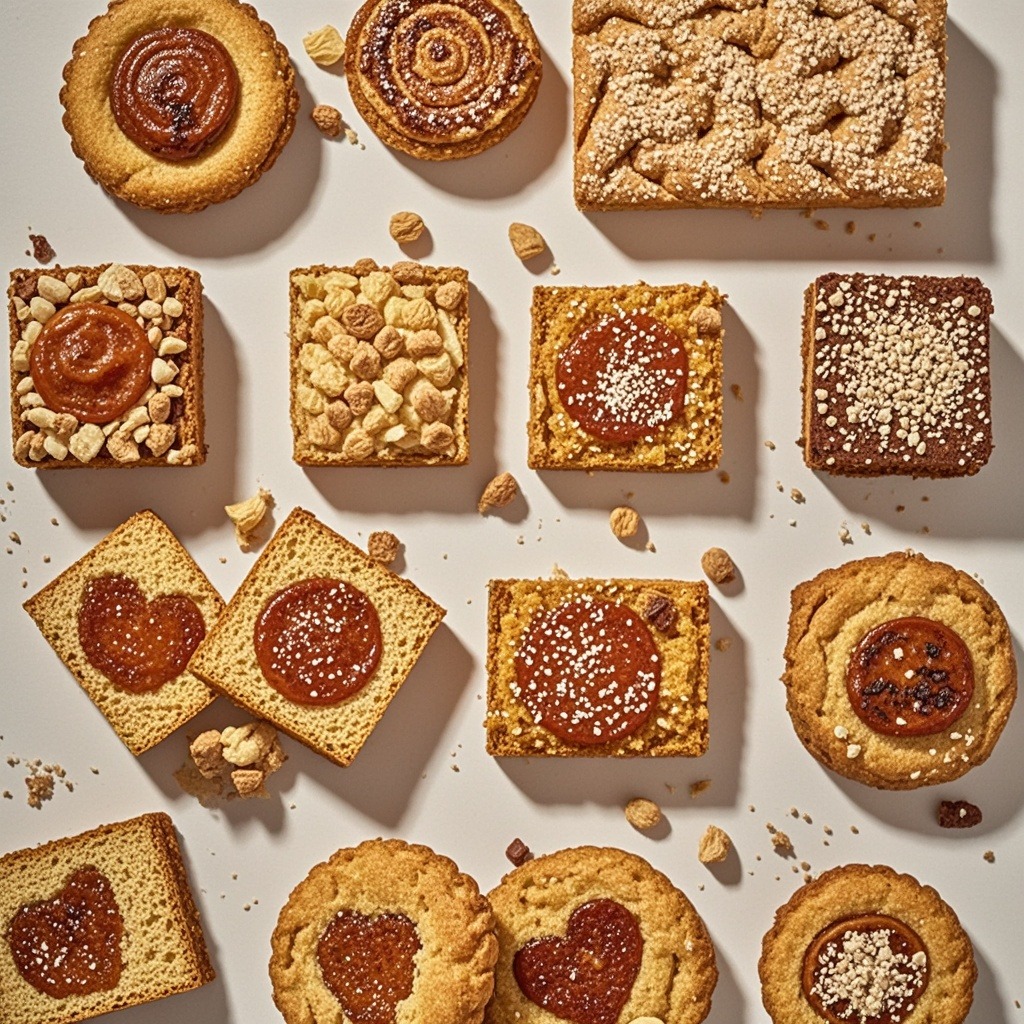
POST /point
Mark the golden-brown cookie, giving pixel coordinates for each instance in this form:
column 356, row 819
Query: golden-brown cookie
column 899, row 671
column 597, row 936
column 384, row 931
column 169, row 142
column 442, row 80
column 867, row 945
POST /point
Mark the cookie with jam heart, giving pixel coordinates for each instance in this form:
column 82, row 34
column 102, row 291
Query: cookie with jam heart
column 384, row 932
column 177, row 105
column 900, row 671
column 595, row 935
column 867, row 945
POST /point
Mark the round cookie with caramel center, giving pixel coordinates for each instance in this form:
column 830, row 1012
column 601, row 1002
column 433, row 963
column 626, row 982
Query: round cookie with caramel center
column 177, row 105
column 595, row 935
column 385, row 932
column 442, row 79
column 900, row 671
column 867, row 945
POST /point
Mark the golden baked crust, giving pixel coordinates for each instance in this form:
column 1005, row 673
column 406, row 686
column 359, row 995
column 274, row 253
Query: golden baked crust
column 693, row 443
column 260, row 127
column 458, row 76
column 678, row 726
column 852, row 891
column 454, row 968
column 831, row 613
column 677, row 972
column 128, row 286
column 782, row 103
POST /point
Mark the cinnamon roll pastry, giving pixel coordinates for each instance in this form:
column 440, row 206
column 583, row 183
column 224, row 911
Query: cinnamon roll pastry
column 442, row 79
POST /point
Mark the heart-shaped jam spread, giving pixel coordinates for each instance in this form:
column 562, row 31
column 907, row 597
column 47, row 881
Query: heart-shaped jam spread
column 910, row 677
column 589, row 671
column 318, row 641
column 174, row 91
column 91, row 360
column 137, row 644
column 587, row 976
column 869, row 969
column 623, row 377
column 70, row 945
column 369, row 963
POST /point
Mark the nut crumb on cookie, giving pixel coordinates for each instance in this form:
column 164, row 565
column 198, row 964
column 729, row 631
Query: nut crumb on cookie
column 624, row 521
column 527, row 241
column 327, row 119
column 498, row 493
column 714, row 845
column 247, row 516
column 406, row 227
column 325, row 46
column 718, row 566
column 383, row 546
column 642, row 813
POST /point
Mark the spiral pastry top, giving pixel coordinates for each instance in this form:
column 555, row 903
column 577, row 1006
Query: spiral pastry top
column 442, row 79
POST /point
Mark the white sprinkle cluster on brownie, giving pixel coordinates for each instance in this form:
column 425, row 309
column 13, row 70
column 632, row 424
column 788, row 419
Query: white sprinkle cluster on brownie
column 897, row 375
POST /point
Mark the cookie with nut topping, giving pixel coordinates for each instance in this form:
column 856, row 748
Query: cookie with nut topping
column 378, row 365
column 106, row 367
column 900, row 671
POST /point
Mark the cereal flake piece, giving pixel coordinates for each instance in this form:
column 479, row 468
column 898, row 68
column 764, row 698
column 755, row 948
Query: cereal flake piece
column 642, row 814
column 624, row 521
column 714, row 845
column 498, row 493
column 327, row 119
column 526, row 241
column 718, row 566
column 325, row 46
column 406, row 227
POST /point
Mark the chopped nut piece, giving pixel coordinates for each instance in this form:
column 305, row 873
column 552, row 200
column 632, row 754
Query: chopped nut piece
column 406, row 227
column 698, row 787
column 247, row 516
column 526, row 241
column 714, row 845
column 235, row 761
column 624, row 521
column 706, row 319
column 382, row 546
column 325, row 46
column 518, row 852
column 362, row 320
column 498, row 493
column 717, row 565
column 207, row 754
column 661, row 612
column 642, row 814
column 958, row 814
column 327, row 119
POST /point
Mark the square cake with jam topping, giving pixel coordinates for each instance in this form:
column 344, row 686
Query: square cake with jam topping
column 764, row 103
column 626, row 377
column 597, row 668
column 318, row 638
column 107, row 367
column 125, row 619
column 896, row 375
column 378, row 365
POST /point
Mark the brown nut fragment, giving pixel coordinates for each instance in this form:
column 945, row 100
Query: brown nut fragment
column 382, row 546
column 958, row 814
column 362, row 320
column 325, row 46
column 327, row 119
column 526, row 241
column 706, row 319
column 642, row 813
column 498, row 493
column 518, row 852
column 406, row 227
column 717, row 565
column 714, row 845
column 661, row 612
column 624, row 521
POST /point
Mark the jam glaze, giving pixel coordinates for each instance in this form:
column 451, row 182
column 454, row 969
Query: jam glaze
column 870, row 969
column 368, row 963
column 623, row 377
column 318, row 641
column 588, row 670
column 70, row 945
column 174, row 91
column 92, row 361
column 910, row 677
column 137, row 644
column 588, row 976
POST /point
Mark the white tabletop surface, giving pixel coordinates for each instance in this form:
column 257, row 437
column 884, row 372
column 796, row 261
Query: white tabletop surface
column 424, row 775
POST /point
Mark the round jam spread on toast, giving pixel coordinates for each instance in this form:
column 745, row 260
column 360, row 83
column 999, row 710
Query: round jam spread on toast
column 173, row 91
column 368, row 963
column 589, row 671
column 318, row 641
column 137, row 644
column 70, row 945
column 587, row 976
column 870, row 969
column 623, row 377
column 910, row 677
column 92, row 361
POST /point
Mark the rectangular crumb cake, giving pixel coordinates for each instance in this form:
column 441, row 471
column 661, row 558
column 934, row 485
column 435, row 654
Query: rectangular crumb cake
column 759, row 103
column 896, row 375
column 597, row 668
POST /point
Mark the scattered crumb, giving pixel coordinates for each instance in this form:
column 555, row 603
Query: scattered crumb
column 917, row 224
column 737, row 392
column 718, row 566
column 53, row 521
column 642, row 813
column 770, row 445
column 821, row 225
column 383, row 546
column 40, row 789
column 456, row 768
column 804, row 866
column 797, row 495
column 806, row 817
column 95, row 771
column 714, row 845
column 958, row 814
column 406, row 227
column 555, row 270
column 670, row 787
column 327, row 119
column 866, row 527
column 844, row 534
column 723, row 476
column 751, row 808
column 15, row 537
column 855, row 830
column 990, row 856
column 698, row 787
column 518, row 852
column 779, row 487
column 872, row 237
column 783, row 844
column 233, row 762
column 247, row 516
column 808, row 877
column 723, row 643
column 353, row 138
column 624, row 521
column 8, row 795
column 649, row 546
column 792, row 522
column 520, row 539
column 498, row 493
column 850, row 227
column 222, row 560
column 42, row 251
column 527, row 241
